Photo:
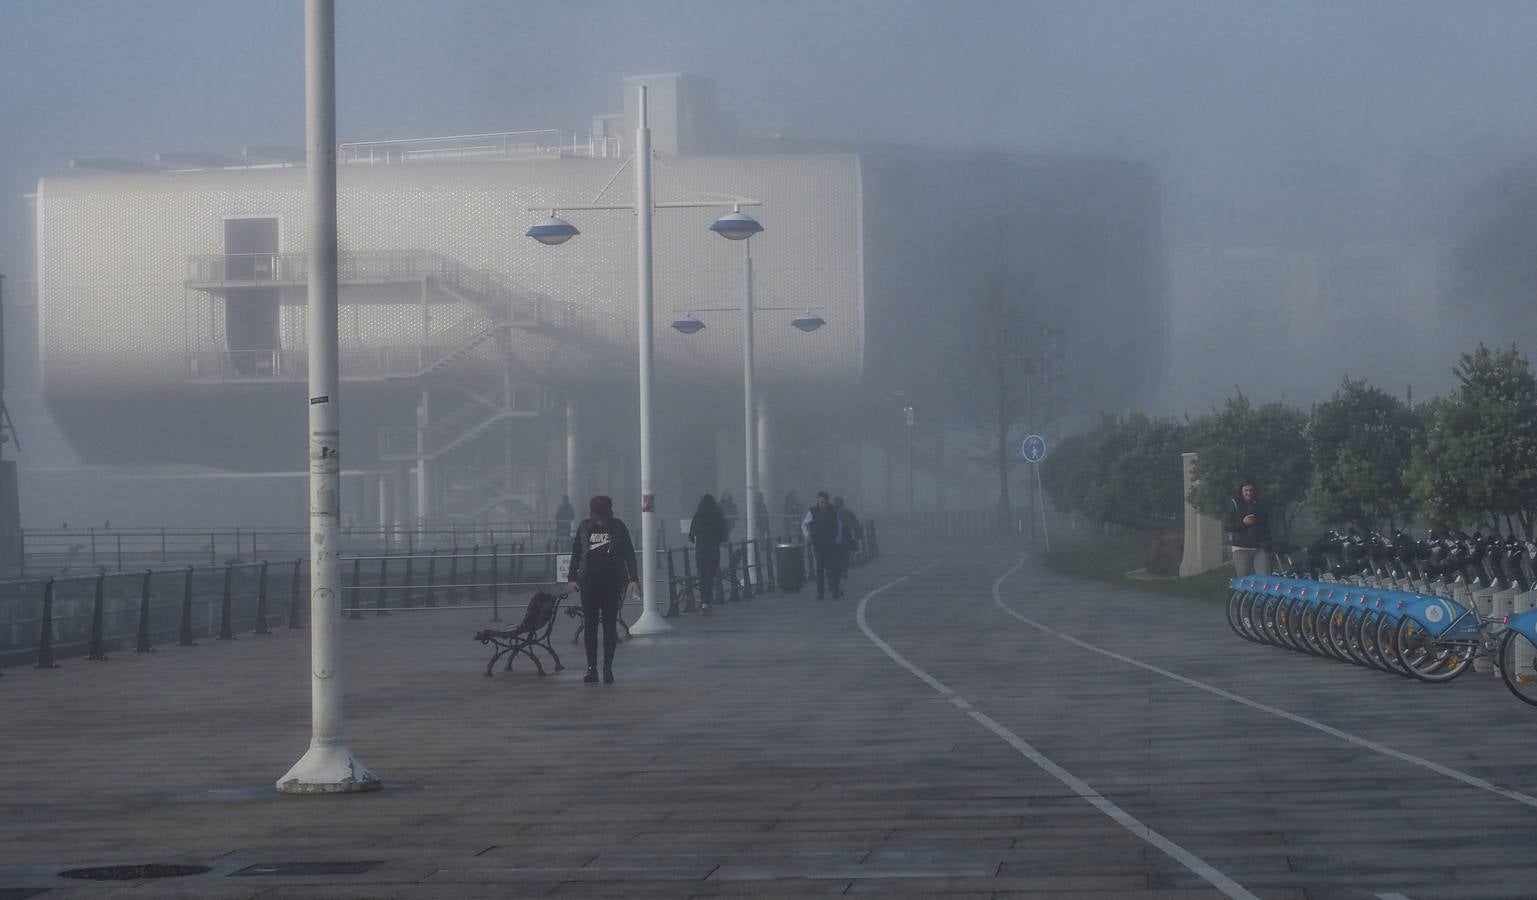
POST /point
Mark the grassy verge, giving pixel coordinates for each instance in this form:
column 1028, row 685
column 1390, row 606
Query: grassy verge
column 1107, row 559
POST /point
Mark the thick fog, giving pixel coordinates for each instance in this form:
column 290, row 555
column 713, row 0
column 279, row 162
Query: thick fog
column 1330, row 171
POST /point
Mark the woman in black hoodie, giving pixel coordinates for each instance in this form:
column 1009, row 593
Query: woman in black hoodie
column 603, row 569
column 707, row 531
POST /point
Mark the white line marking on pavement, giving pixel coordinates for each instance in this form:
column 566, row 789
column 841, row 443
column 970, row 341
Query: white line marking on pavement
column 1080, row 787
column 1465, row 778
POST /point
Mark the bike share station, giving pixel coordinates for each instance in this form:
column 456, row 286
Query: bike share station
column 1421, row 609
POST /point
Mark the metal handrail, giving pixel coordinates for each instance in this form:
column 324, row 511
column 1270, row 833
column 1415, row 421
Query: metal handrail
column 544, row 142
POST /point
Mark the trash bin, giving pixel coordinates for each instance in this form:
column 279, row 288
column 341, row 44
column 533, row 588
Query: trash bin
column 789, row 567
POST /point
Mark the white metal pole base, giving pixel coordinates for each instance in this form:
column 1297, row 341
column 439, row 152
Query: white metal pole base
column 328, row 769
column 650, row 622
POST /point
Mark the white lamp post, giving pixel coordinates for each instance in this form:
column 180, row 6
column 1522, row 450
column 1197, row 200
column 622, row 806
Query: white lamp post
column 554, row 231
column 737, row 226
column 327, row 767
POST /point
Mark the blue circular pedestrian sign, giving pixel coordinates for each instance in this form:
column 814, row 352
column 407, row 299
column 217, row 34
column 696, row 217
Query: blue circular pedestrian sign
column 1033, row 449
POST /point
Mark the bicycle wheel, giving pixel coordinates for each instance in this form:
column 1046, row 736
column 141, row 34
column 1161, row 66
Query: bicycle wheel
column 1353, row 643
column 1518, row 665
column 1299, row 622
column 1263, row 622
column 1387, row 645
column 1428, row 659
column 1246, row 607
column 1234, row 614
column 1310, row 627
column 1323, row 631
column 1369, row 645
column 1339, row 634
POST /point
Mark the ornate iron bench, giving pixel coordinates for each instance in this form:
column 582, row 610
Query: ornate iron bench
column 533, row 632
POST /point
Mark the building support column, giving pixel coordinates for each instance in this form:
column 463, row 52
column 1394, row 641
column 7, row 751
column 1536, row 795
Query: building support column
column 765, row 483
column 386, row 507
column 573, row 458
column 423, row 482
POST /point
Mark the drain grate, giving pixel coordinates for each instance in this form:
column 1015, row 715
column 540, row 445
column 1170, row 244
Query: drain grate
column 355, row 867
column 133, row 873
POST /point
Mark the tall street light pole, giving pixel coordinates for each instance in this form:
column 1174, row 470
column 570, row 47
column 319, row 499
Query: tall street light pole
column 740, row 227
column 327, row 767
column 651, row 620
column 554, row 231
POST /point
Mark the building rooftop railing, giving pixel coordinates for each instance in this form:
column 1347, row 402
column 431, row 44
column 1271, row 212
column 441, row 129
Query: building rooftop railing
column 540, row 144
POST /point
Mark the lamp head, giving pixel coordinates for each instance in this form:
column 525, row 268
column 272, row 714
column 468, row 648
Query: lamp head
column 687, row 324
column 808, row 322
column 736, row 226
column 552, row 231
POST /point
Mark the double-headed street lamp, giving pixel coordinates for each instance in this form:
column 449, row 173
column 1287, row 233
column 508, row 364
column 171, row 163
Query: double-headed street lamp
column 554, row 231
column 738, row 226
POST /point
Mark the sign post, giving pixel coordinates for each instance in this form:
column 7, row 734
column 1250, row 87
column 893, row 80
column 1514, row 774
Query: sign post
column 1034, row 451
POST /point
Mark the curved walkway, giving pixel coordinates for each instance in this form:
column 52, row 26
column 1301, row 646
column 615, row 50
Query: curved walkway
column 779, row 749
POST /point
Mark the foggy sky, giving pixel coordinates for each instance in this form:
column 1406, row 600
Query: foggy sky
column 1281, row 122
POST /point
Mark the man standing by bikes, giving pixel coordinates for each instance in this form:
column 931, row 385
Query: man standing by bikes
column 1249, row 523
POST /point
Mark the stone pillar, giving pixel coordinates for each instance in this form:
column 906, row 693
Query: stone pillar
column 1203, row 534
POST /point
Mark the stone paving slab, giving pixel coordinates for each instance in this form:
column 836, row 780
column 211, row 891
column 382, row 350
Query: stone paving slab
column 773, row 750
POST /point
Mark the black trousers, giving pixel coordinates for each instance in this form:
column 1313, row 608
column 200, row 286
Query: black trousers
column 828, row 574
column 708, row 561
column 600, row 605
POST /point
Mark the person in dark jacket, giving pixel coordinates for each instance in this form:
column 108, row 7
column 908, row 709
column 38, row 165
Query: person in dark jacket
column 822, row 529
column 603, row 569
column 564, row 516
column 1249, row 522
column 707, row 531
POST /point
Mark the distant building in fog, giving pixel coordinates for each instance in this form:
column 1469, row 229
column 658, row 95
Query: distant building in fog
column 170, row 316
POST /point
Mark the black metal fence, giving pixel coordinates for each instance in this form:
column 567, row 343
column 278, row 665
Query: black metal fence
column 43, row 620
column 46, row 619
column 68, row 551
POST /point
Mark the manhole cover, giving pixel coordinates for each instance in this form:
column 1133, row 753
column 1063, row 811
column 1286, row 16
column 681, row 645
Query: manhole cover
column 133, row 873
column 309, row 868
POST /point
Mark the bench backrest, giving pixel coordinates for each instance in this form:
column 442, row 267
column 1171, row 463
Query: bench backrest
column 540, row 612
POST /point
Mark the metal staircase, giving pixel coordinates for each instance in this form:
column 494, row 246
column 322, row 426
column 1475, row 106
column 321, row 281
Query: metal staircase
column 443, row 435
column 475, row 354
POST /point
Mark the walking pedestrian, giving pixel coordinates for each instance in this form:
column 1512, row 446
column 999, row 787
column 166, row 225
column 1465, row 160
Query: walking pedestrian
column 1249, row 522
column 707, row 531
column 603, row 570
column 821, row 529
column 564, row 516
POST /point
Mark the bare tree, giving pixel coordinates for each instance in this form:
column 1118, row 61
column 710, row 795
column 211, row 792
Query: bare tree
column 995, row 377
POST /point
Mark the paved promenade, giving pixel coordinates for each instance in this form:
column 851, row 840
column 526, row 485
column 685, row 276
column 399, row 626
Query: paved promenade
column 941, row 736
